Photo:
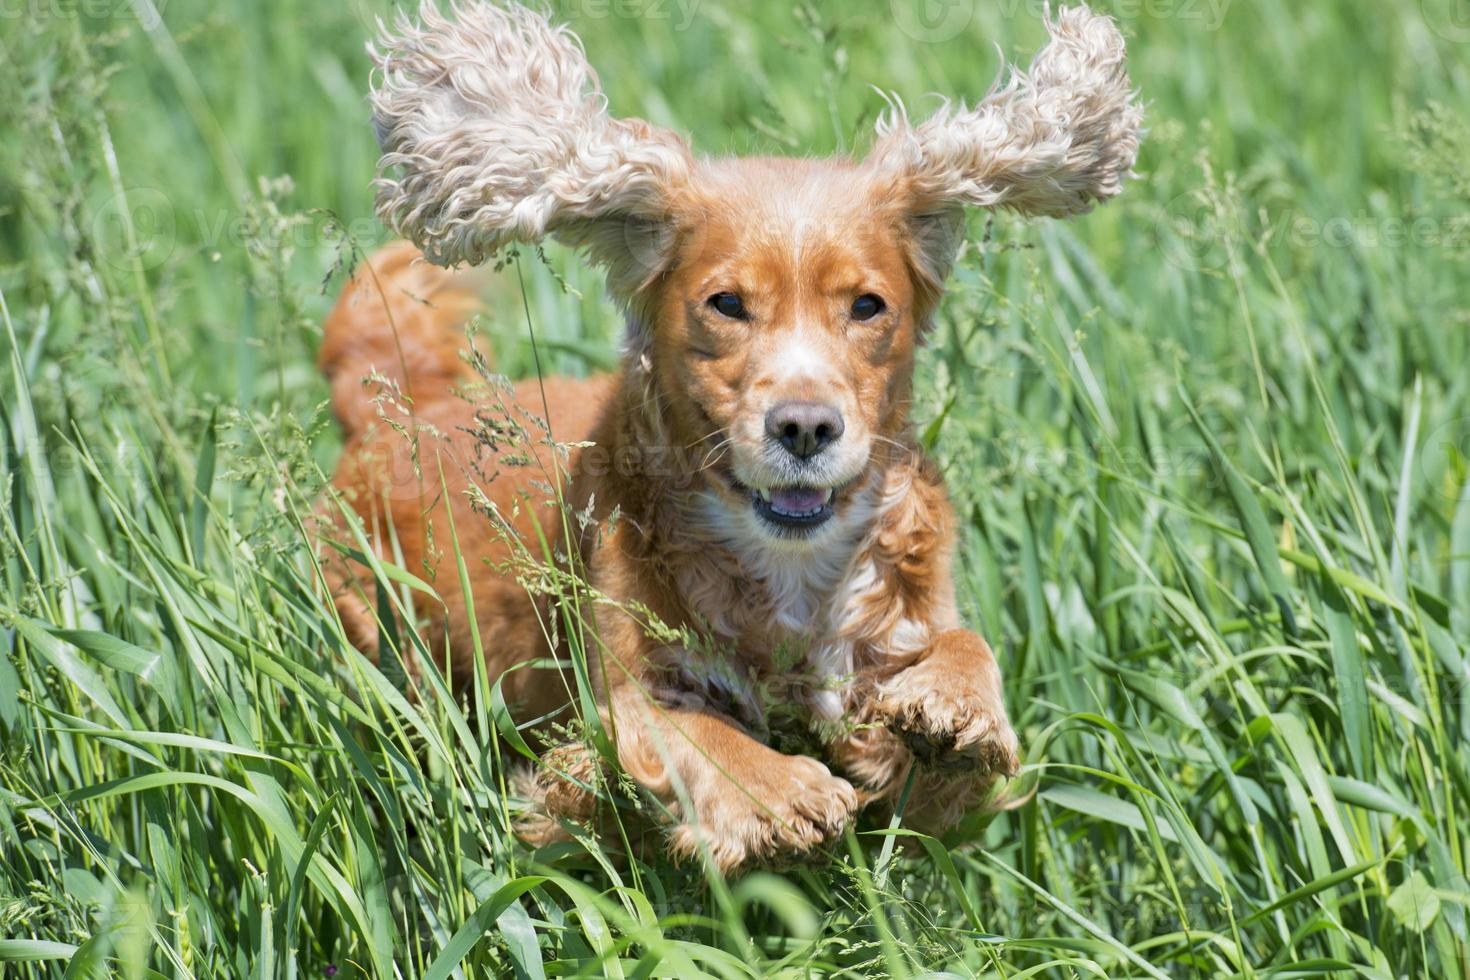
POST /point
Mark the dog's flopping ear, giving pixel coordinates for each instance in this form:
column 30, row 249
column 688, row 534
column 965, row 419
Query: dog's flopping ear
column 494, row 130
column 1050, row 141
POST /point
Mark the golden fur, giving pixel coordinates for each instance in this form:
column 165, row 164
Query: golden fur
column 848, row 626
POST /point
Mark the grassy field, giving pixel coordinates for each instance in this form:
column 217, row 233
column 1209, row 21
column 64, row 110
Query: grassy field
column 1211, row 447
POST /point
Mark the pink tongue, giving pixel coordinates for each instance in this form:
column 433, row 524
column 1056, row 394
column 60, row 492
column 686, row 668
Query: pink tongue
column 798, row 500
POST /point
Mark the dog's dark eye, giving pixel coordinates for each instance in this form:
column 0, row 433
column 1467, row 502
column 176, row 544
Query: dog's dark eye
column 728, row 304
column 867, row 306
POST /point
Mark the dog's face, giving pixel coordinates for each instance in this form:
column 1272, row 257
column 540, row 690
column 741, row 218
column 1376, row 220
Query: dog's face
column 778, row 300
column 783, row 335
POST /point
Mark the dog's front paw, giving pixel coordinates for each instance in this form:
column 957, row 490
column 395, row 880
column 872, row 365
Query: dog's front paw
column 950, row 723
column 773, row 812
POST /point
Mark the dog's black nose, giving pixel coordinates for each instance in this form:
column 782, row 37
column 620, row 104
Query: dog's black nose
column 804, row 428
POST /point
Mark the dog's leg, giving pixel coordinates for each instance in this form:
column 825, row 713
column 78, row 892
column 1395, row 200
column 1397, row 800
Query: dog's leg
column 557, row 789
column 741, row 801
column 948, row 708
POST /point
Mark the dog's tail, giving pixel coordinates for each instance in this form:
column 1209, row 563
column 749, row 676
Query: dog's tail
column 398, row 318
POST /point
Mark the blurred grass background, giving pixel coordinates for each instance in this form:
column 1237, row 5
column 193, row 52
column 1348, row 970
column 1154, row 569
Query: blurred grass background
column 1211, row 445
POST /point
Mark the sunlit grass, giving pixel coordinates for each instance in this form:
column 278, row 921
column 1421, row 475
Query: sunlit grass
column 1210, row 447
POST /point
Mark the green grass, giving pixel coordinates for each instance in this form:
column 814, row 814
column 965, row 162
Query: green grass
column 1210, row 446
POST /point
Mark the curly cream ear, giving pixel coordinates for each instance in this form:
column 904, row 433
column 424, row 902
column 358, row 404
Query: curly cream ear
column 1051, row 141
column 499, row 133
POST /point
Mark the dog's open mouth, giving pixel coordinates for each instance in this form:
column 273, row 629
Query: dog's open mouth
column 791, row 511
column 794, row 508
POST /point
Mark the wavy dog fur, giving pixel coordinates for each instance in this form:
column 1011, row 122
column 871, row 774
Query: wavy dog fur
column 500, row 133
column 1051, row 141
column 771, row 496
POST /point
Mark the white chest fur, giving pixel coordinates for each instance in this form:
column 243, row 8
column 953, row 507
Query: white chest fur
column 820, row 596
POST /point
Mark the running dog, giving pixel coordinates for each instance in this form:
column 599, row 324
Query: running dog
column 763, row 535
